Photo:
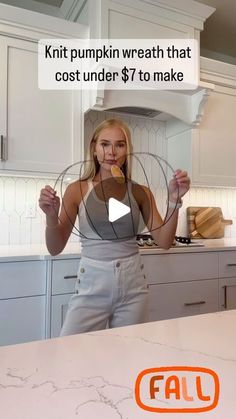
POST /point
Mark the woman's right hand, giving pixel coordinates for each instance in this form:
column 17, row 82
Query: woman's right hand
column 49, row 202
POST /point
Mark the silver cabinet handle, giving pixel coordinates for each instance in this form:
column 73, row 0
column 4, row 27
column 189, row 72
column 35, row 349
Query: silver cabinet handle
column 224, row 305
column 3, row 148
column 195, row 303
column 231, row 264
column 70, row 277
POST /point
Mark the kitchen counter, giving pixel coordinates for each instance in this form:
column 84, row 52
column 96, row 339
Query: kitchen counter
column 32, row 252
column 93, row 375
column 36, row 252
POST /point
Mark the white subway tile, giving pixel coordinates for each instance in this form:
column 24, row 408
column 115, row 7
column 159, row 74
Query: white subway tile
column 148, row 136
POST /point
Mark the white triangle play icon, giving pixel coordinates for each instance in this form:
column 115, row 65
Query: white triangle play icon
column 116, row 209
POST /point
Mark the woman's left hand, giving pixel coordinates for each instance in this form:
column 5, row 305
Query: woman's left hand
column 178, row 185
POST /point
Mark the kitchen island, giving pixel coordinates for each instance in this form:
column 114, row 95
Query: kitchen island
column 93, row 375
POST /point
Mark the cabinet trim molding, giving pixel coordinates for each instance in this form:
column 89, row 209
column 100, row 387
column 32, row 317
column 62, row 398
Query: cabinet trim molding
column 15, row 22
column 218, row 72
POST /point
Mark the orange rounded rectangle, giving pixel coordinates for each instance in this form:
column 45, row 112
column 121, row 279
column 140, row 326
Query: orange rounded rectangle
column 175, row 369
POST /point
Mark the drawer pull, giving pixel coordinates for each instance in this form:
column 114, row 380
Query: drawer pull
column 225, row 297
column 231, row 264
column 195, row 303
column 70, row 277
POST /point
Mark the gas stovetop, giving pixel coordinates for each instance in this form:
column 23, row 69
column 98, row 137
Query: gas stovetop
column 146, row 241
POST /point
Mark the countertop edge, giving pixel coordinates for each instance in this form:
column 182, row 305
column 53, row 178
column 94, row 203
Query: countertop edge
column 73, row 251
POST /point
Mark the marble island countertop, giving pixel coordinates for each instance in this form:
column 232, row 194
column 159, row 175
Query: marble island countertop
column 32, row 252
column 93, row 375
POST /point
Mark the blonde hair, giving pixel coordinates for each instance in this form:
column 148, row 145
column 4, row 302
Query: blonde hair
column 92, row 165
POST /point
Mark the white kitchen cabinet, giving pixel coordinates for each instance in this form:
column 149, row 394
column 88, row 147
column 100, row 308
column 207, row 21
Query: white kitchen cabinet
column 59, row 306
column 41, row 130
column 135, row 19
column 227, row 264
column 22, row 301
column 227, row 281
column 207, row 150
column 214, row 147
column 181, row 284
column 167, row 301
column 63, row 280
column 227, row 293
column 22, row 320
column 138, row 19
column 180, row 267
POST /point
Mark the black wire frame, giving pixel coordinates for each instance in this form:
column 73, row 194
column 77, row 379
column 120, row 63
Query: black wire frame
column 157, row 158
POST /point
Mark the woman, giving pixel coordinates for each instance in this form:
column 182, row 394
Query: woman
column 111, row 289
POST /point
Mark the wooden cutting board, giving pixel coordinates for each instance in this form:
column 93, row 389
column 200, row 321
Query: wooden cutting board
column 206, row 222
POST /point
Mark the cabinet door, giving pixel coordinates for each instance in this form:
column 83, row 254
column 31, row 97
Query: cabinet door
column 227, row 282
column 38, row 127
column 168, row 301
column 64, row 275
column 166, row 268
column 227, row 264
column 58, row 312
column 22, row 320
column 227, row 292
column 134, row 20
column 214, row 146
column 22, row 279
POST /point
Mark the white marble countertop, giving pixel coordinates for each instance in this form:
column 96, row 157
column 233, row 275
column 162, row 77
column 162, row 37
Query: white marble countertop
column 93, row 375
column 36, row 251
column 32, row 252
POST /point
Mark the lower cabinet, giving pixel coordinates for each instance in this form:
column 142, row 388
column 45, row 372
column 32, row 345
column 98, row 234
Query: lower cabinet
column 181, row 284
column 173, row 300
column 22, row 301
column 59, row 306
column 227, row 293
column 34, row 295
column 22, row 320
column 63, row 279
column 227, row 281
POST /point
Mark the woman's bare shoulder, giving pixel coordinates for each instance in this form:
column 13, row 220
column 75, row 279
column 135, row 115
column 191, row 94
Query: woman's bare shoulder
column 77, row 189
column 140, row 189
column 140, row 192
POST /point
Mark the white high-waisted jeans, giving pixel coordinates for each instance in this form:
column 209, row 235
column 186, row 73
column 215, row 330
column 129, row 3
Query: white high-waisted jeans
column 108, row 294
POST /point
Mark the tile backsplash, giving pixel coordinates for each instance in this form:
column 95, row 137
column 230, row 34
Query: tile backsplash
column 19, row 199
column 22, row 221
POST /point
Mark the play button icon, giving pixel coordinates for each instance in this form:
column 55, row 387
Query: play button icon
column 116, row 209
column 111, row 211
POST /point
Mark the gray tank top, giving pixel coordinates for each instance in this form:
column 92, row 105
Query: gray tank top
column 101, row 239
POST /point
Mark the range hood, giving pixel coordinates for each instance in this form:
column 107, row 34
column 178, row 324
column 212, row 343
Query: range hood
column 137, row 111
column 185, row 105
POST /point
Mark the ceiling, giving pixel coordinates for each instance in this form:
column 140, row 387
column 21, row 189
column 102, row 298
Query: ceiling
column 219, row 32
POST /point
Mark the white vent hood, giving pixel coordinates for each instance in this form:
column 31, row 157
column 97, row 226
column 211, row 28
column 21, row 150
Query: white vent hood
column 135, row 19
column 186, row 105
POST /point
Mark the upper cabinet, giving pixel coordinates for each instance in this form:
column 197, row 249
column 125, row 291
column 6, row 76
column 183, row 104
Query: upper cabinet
column 215, row 139
column 40, row 130
column 144, row 18
column 200, row 124
column 136, row 19
column 208, row 151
